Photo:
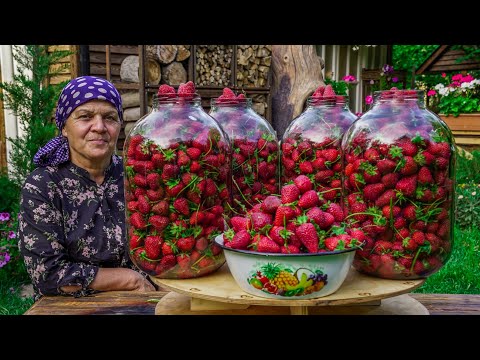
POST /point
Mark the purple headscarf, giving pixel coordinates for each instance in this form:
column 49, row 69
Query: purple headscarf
column 74, row 94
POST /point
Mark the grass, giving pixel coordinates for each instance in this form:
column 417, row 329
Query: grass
column 11, row 302
column 461, row 274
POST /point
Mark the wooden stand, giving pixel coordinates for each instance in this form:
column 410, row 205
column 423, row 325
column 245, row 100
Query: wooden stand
column 219, row 294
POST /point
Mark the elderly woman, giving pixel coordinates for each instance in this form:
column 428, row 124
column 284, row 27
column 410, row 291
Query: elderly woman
column 72, row 215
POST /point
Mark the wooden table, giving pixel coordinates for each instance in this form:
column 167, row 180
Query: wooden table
column 133, row 303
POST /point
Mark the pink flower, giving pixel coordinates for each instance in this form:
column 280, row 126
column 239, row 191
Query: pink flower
column 368, row 99
column 4, row 259
column 12, row 235
column 431, row 93
column 358, row 114
column 444, row 75
column 349, row 78
column 395, row 79
column 467, row 78
column 4, row 216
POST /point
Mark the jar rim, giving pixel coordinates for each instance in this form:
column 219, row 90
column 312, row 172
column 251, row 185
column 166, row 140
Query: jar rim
column 230, row 102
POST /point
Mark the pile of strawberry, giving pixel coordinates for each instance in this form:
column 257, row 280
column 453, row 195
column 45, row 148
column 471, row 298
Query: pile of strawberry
column 399, row 190
column 255, row 151
column 311, row 144
column 295, row 222
column 176, row 171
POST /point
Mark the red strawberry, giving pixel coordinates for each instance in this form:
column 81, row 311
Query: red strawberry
column 290, row 193
column 155, row 195
column 308, row 200
column 186, row 244
column 328, row 92
column 183, row 261
column 303, row 183
column 135, row 242
column 166, row 91
column 260, row 220
column 161, row 208
column 152, row 247
column 267, row 245
column 407, row 185
column 167, row 262
column 308, row 236
column 240, row 223
column 240, row 240
column 283, row 215
column 410, row 167
column 371, row 192
column 201, row 244
column 389, row 196
column 331, row 243
column 137, row 221
column 290, row 249
column 186, row 90
column 159, row 222
column 336, row 211
column 181, row 205
column 386, row 166
column 270, row 204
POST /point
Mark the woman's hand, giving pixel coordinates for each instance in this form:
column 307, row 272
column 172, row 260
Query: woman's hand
column 120, row 279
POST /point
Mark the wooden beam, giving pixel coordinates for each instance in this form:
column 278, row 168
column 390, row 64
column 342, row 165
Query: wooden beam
column 441, row 49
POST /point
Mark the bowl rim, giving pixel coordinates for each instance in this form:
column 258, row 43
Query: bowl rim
column 263, row 254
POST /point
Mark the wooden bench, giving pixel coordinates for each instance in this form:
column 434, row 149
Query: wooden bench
column 134, row 303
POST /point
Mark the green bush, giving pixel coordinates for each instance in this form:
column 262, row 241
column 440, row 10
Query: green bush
column 10, row 194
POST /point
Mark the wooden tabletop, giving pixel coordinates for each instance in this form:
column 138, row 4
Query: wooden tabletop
column 135, row 303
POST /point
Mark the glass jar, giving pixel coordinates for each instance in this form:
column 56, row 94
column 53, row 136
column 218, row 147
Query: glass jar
column 255, row 152
column 399, row 182
column 311, row 146
column 176, row 186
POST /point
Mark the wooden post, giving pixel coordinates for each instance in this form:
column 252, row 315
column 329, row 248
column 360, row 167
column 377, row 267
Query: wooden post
column 297, row 72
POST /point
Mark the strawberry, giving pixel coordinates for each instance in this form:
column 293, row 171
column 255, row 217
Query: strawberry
column 331, row 243
column 185, row 244
column 135, row 242
column 303, row 183
column 308, row 236
column 143, row 205
column 386, row 166
column 165, row 90
column 290, row 193
column 159, row 222
column 137, row 221
column 152, row 247
column 283, row 215
column 328, row 92
column 155, row 195
column 410, row 166
column 308, row 200
column 336, row 211
column 371, row 192
column 240, row 240
column 267, row 245
column 183, row 261
column 270, row 204
column 240, row 223
column 181, row 205
column 161, row 208
column 290, row 249
column 186, row 90
column 407, row 185
column 260, row 220
column 201, row 244
column 167, row 262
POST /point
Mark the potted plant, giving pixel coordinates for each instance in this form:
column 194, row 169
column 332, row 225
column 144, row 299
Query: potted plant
column 457, row 101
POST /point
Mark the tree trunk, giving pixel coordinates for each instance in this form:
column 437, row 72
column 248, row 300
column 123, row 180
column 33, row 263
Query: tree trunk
column 296, row 73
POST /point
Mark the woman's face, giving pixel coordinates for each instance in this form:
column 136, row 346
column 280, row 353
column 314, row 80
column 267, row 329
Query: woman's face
column 92, row 131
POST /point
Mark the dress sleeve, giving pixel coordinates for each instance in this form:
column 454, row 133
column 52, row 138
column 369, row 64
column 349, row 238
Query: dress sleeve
column 41, row 243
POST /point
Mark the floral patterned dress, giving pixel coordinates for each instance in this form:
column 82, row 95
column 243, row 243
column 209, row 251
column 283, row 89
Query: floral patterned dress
column 69, row 226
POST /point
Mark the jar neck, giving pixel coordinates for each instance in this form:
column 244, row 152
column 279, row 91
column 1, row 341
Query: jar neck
column 321, row 101
column 237, row 103
column 399, row 98
column 175, row 100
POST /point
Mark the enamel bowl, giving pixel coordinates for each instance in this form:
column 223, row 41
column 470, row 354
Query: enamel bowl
column 288, row 276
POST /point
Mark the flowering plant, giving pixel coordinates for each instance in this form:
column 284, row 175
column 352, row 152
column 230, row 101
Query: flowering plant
column 9, row 252
column 460, row 94
column 386, row 81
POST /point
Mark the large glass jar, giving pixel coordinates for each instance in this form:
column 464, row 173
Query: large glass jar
column 255, row 151
column 177, row 166
column 399, row 181
column 311, row 147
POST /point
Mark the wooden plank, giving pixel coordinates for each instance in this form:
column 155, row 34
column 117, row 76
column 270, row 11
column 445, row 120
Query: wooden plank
column 467, row 140
column 101, row 69
column 427, row 63
column 455, row 67
column 116, row 49
column 100, row 58
column 59, row 78
column 105, row 303
column 449, row 304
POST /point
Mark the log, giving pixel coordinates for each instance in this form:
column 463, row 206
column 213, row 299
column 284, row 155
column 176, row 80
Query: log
column 174, row 74
column 129, row 69
column 182, row 52
column 165, row 54
column 130, row 99
column 154, row 72
column 297, row 73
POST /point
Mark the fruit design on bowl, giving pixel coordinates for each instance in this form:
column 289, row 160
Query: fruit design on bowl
column 283, row 280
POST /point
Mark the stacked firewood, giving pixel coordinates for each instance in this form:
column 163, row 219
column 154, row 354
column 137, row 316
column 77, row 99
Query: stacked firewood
column 213, row 65
column 253, row 65
column 173, row 60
